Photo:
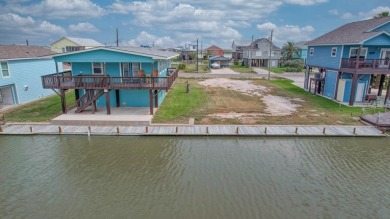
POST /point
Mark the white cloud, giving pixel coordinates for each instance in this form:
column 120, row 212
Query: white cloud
column 202, row 19
column 285, row 33
column 61, row 9
column 147, row 39
column 82, row 27
column 305, row 2
column 347, row 16
column 15, row 28
column 334, row 12
column 373, row 12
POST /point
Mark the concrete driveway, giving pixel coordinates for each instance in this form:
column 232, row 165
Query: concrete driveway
column 223, row 71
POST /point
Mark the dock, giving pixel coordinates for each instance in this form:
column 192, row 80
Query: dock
column 192, row 130
column 379, row 119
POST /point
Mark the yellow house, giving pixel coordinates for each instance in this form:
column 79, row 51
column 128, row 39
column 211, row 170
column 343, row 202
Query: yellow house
column 71, row 44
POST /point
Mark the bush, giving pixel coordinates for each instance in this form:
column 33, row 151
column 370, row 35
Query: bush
column 293, row 64
column 288, row 69
column 181, row 66
column 236, row 62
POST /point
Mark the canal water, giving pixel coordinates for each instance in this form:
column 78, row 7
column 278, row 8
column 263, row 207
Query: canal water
column 193, row 177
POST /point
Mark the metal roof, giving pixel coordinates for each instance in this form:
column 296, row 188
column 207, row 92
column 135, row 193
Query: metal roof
column 351, row 33
column 149, row 52
column 82, row 41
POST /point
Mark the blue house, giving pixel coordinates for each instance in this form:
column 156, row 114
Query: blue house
column 21, row 70
column 348, row 57
column 114, row 77
column 302, row 50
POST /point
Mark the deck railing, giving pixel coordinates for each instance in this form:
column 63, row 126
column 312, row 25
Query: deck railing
column 383, row 64
column 64, row 80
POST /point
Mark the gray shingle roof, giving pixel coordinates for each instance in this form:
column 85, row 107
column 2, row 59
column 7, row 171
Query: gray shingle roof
column 242, row 42
column 22, row 52
column 351, row 33
column 253, row 44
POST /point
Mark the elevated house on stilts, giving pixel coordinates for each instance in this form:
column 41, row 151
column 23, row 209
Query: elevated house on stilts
column 348, row 58
column 114, row 77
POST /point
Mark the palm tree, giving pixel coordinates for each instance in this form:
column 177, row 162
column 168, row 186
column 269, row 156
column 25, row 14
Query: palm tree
column 289, row 50
column 382, row 14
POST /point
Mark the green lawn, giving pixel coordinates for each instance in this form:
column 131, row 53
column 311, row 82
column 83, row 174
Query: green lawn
column 279, row 70
column 241, row 69
column 179, row 106
column 42, row 110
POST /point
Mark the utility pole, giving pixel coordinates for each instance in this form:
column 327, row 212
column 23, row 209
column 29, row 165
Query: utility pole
column 269, row 60
column 197, row 52
column 117, row 38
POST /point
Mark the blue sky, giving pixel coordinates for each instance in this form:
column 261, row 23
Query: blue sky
column 171, row 23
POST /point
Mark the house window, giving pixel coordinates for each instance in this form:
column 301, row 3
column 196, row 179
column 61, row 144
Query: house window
column 4, row 69
column 334, row 52
column 258, row 53
column 311, row 51
column 353, row 52
column 125, row 69
column 97, row 68
column 135, row 67
column 74, row 48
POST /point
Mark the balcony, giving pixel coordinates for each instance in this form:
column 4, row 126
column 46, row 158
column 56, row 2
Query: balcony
column 365, row 65
column 65, row 80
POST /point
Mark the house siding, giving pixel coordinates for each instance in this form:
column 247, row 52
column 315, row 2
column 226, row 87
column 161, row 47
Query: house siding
column 103, row 56
column 57, row 46
column 380, row 40
column 322, row 57
column 384, row 27
column 330, row 83
column 373, row 52
column 28, row 72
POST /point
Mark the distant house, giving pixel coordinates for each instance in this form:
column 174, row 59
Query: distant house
column 71, row 44
column 257, row 54
column 21, row 71
column 348, row 57
column 302, row 50
column 189, row 52
column 237, row 48
column 214, row 51
column 114, row 77
column 219, row 62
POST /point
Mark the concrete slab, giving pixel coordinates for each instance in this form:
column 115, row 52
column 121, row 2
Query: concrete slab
column 119, row 116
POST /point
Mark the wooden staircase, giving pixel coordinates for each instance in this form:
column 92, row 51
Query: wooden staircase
column 90, row 97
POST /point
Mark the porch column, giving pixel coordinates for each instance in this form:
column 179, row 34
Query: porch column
column 353, row 89
column 381, row 82
column 151, row 101
column 156, row 98
column 354, row 79
column 337, row 85
column 117, row 98
column 387, row 92
column 108, row 102
column 63, row 101
column 56, row 68
column 307, row 74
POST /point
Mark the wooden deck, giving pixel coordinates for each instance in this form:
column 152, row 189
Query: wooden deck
column 196, row 130
column 378, row 119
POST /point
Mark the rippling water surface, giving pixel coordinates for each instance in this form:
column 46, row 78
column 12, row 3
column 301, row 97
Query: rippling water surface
column 174, row 177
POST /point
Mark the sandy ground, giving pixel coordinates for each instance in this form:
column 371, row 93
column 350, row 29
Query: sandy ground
column 223, row 71
column 275, row 105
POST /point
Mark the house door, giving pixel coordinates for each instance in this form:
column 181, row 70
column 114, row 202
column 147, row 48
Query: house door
column 134, row 69
column 6, row 97
column 385, row 58
column 359, row 92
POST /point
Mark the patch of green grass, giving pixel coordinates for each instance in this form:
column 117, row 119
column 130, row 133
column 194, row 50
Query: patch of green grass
column 286, row 88
column 42, row 110
column 191, row 68
column 241, row 69
column 179, row 106
column 277, row 70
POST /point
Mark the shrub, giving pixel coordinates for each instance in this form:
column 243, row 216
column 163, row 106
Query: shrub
column 236, row 62
column 181, row 66
column 288, row 69
column 292, row 64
